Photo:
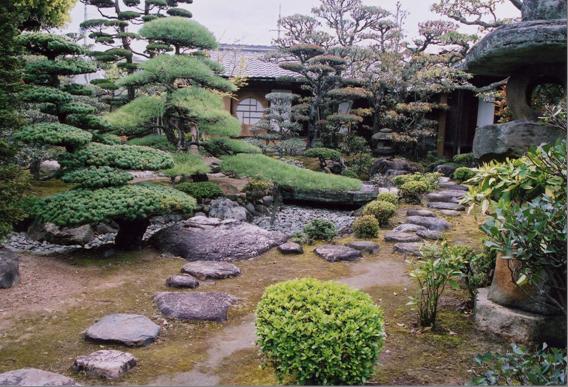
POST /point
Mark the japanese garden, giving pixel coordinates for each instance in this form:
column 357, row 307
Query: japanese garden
column 333, row 192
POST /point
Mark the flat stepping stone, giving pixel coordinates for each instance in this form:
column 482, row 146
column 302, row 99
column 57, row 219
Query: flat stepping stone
column 430, row 234
column 335, row 253
column 182, row 281
column 403, row 237
column 195, row 306
column 34, row 377
column 444, row 196
column 429, row 222
column 446, row 206
column 408, row 248
column 450, row 213
column 453, row 186
column 132, row 330
column 291, row 248
column 408, row 227
column 106, row 363
column 419, row 212
column 364, row 246
column 211, row 270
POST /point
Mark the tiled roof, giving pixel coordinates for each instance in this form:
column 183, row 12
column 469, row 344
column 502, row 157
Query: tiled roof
column 246, row 61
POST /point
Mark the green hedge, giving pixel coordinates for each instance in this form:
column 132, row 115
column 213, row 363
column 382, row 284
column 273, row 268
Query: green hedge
column 286, row 175
column 319, row 333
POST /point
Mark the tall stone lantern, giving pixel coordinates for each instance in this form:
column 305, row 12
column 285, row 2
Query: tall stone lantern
column 529, row 53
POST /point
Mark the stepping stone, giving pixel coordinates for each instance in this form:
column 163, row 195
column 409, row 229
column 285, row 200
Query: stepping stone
column 106, row 363
column 454, row 186
column 291, row 248
column 408, row 248
column 408, row 227
column 450, row 213
column 419, row 212
column 334, row 253
column 364, row 246
column 194, row 306
column 182, row 281
column 443, row 196
column 429, row 234
column 203, row 270
column 429, row 222
column 132, row 330
column 446, row 206
column 34, row 377
column 403, row 237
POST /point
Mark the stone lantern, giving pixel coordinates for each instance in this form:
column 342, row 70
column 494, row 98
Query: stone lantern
column 382, row 142
column 530, row 53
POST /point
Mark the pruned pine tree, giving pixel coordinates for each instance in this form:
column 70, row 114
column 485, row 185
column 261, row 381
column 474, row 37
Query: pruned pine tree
column 98, row 170
column 189, row 102
column 280, row 120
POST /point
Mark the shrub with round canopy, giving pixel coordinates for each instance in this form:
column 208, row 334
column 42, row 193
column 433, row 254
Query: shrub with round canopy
column 179, row 32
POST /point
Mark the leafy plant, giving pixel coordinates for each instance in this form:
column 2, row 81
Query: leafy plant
column 316, row 333
column 366, row 226
column 546, row 366
column 381, row 210
column 320, row 230
column 200, row 190
column 464, row 173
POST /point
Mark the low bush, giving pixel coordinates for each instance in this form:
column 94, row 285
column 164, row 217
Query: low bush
column 348, row 172
column 290, row 147
column 545, row 367
column 300, row 238
column 381, row 210
column 412, row 191
column 465, row 159
column 319, row 333
column 200, row 190
column 388, row 197
column 155, row 141
column 361, row 164
column 323, row 154
column 366, row 227
column 320, row 230
column 431, row 180
column 285, row 175
column 258, row 188
column 464, row 173
column 223, row 146
column 186, row 164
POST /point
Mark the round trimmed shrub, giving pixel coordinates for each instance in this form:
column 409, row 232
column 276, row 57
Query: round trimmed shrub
column 366, row 227
column 430, row 179
column 464, row 173
column 258, row 188
column 320, row 230
column 466, row 159
column 97, row 177
column 381, row 210
column 319, row 333
column 323, row 154
column 388, row 197
column 201, row 190
column 412, row 191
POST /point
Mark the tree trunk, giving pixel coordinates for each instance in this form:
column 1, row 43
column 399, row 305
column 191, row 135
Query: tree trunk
column 130, row 233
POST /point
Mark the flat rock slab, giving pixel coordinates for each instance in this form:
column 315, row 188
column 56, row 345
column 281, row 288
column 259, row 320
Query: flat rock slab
column 450, row 213
column 210, row 239
column 195, row 306
column 408, row 248
column 430, row 234
column 446, row 206
column 408, row 227
column 182, row 281
column 106, row 363
column 291, row 248
column 429, row 222
column 34, row 377
column 364, row 246
column 449, row 196
column 419, row 212
column 403, row 237
column 132, row 330
column 450, row 185
column 334, row 253
column 204, row 270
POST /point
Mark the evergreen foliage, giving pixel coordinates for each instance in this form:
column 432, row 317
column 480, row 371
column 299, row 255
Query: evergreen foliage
column 179, row 32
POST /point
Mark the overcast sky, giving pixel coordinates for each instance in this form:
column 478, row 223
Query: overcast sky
column 254, row 21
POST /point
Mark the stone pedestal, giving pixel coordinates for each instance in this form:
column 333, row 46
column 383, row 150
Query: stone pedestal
column 517, row 325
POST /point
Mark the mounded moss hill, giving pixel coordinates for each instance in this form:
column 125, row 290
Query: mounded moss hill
column 286, row 175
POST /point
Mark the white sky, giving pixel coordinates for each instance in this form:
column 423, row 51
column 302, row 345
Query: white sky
column 254, row 21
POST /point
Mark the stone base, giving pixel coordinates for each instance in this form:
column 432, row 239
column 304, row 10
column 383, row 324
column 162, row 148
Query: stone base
column 516, row 325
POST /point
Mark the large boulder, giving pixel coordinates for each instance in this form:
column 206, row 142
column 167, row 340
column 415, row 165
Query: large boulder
column 34, row 377
column 447, row 169
column 48, row 169
column 106, row 363
column 194, row 306
column 511, row 139
column 384, row 165
column 61, row 235
column 544, row 9
column 204, row 270
column 211, row 239
column 224, row 208
column 9, row 269
column 132, row 330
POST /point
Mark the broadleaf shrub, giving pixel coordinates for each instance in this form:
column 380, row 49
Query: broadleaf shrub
column 320, row 230
column 381, row 210
column 319, row 333
column 200, row 190
column 366, row 227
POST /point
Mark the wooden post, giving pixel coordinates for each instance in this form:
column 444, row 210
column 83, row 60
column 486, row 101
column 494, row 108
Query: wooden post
column 442, row 126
